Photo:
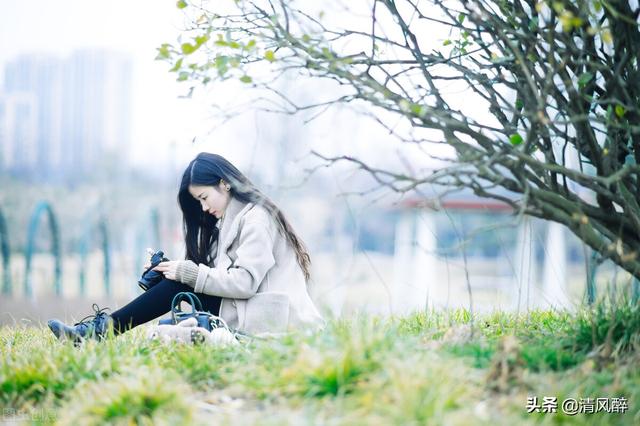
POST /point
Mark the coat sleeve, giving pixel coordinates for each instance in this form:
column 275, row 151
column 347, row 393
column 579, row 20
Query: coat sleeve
column 254, row 259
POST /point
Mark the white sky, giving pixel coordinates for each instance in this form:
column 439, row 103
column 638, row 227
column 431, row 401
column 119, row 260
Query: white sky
column 162, row 121
column 137, row 27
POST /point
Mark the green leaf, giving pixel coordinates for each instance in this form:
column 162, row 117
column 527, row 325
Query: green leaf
column 200, row 40
column 177, row 65
column 569, row 21
column 446, row 42
column 519, row 104
column 418, row 110
column 188, row 48
column 620, row 111
column 221, row 64
column 327, row 53
column 270, row 56
column 183, row 76
column 584, row 79
column 515, row 139
column 163, row 52
column 246, row 79
column 306, row 38
column 181, row 4
column 461, row 17
column 250, row 45
column 533, row 23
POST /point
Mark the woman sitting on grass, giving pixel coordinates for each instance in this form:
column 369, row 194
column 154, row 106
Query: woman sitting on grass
column 243, row 260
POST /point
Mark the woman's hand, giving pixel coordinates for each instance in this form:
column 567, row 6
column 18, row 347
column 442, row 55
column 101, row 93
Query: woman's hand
column 168, row 268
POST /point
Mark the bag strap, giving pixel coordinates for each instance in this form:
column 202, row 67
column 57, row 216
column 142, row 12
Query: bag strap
column 188, row 297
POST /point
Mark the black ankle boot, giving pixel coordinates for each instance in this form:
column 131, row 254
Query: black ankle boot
column 93, row 326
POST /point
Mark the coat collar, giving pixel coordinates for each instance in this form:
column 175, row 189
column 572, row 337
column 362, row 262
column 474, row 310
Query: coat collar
column 231, row 221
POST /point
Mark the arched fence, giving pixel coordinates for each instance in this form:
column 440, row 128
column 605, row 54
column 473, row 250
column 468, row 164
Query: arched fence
column 92, row 228
column 43, row 207
column 6, row 255
column 148, row 231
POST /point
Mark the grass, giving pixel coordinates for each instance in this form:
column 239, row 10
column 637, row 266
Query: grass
column 425, row 368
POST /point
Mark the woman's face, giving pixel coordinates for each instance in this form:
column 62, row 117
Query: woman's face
column 213, row 199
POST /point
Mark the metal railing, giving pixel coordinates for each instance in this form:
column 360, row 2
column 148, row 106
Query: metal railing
column 6, row 255
column 89, row 227
column 43, row 207
column 148, row 230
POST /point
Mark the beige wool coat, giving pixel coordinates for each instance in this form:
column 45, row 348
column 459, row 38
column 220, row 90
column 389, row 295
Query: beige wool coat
column 257, row 274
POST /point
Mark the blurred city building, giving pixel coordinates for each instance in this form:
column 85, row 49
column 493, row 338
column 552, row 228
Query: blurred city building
column 59, row 117
column 18, row 114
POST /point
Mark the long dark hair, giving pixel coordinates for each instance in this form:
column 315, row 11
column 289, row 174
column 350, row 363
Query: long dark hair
column 200, row 229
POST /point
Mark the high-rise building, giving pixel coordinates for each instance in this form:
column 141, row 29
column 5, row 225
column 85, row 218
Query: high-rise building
column 18, row 132
column 40, row 78
column 97, row 119
column 82, row 111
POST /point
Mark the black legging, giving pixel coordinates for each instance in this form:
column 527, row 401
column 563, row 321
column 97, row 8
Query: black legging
column 156, row 302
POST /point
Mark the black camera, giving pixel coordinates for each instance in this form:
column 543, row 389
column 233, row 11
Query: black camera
column 150, row 277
